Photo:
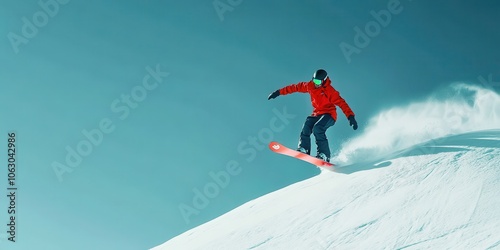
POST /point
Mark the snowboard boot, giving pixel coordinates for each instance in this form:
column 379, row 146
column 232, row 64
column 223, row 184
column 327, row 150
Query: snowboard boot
column 302, row 150
column 323, row 157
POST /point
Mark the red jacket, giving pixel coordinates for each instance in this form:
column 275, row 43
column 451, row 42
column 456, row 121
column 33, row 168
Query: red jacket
column 324, row 99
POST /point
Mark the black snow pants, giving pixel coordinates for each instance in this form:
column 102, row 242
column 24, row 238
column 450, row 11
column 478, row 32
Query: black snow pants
column 316, row 125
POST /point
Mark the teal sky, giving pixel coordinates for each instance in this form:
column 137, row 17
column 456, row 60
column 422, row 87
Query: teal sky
column 125, row 194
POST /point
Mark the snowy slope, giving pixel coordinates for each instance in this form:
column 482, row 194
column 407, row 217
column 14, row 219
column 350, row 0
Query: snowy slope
column 429, row 178
column 443, row 194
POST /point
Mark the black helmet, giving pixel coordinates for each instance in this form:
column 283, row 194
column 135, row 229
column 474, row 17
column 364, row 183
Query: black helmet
column 320, row 74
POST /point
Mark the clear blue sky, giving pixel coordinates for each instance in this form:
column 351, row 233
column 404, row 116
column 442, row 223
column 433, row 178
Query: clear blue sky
column 125, row 194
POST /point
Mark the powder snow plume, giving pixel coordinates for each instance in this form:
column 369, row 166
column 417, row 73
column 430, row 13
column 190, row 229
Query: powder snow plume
column 460, row 108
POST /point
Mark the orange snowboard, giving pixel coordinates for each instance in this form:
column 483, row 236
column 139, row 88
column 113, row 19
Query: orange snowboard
column 280, row 149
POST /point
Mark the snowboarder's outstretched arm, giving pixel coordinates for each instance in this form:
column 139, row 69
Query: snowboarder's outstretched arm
column 339, row 101
column 292, row 88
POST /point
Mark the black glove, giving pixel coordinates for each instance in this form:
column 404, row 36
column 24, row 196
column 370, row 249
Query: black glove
column 274, row 95
column 352, row 122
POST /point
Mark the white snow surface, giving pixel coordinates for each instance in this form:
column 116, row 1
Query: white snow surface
column 439, row 193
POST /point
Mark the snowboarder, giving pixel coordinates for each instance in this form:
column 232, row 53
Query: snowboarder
column 324, row 100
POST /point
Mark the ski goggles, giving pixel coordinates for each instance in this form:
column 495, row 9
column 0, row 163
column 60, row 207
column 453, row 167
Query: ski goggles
column 317, row 81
